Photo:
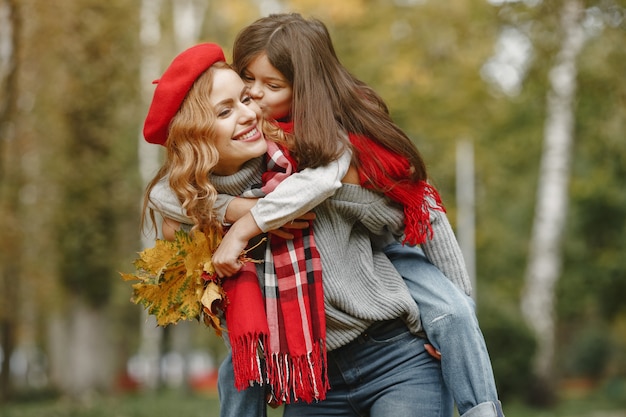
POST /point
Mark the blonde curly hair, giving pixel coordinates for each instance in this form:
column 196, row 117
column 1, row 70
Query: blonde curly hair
column 191, row 155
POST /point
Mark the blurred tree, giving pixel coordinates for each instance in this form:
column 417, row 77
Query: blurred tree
column 545, row 255
column 596, row 103
column 10, row 182
column 95, row 111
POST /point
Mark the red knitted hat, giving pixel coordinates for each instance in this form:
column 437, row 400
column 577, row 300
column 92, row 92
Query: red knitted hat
column 173, row 86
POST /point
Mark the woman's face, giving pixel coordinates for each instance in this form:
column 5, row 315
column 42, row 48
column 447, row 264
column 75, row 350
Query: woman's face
column 269, row 88
column 238, row 136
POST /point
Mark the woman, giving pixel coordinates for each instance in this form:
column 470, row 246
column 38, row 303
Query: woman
column 372, row 315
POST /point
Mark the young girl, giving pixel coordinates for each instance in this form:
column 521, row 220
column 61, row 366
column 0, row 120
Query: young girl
column 295, row 76
column 212, row 139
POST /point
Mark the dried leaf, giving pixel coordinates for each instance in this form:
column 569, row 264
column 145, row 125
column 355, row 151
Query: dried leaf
column 171, row 277
column 213, row 299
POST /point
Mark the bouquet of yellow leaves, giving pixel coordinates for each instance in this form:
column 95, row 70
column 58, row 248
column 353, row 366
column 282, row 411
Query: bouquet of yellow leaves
column 177, row 280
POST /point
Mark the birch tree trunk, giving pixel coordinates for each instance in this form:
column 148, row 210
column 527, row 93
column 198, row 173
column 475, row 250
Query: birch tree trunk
column 187, row 20
column 148, row 156
column 544, row 263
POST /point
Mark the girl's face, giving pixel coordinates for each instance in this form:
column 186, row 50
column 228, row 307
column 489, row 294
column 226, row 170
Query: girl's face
column 238, row 136
column 269, row 88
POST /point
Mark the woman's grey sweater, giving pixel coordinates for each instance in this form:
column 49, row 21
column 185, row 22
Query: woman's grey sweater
column 361, row 285
column 351, row 229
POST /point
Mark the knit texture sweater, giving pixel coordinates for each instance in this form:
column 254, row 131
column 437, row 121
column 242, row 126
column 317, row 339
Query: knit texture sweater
column 275, row 210
column 361, row 285
column 352, row 227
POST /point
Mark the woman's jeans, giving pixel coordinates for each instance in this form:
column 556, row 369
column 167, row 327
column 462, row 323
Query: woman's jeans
column 234, row 403
column 384, row 372
column 449, row 320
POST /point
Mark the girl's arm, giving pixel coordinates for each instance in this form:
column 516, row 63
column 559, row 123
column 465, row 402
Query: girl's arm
column 300, row 193
column 169, row 228
column 164, row 201
column 291, row 199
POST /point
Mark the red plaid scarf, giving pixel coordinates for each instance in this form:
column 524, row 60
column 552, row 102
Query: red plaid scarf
column 292, row 341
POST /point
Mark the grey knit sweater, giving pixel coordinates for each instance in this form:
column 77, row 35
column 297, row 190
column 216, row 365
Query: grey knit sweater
column 361, row 285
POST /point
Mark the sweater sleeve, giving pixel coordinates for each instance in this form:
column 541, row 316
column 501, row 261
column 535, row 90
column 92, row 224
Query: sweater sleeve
column 300, row 193
column 444, row 252
column 166, row 203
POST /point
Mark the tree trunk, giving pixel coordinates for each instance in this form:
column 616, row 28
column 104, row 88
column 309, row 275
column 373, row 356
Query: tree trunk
column 544, row 263
column 81, row 350
column 187, row 21
column 96, row 109
column 10, row 183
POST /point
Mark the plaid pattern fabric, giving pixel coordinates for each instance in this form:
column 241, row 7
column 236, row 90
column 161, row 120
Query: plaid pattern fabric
column 293, row 348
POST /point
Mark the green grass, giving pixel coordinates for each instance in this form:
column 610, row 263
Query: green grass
column 161, row 404
column 181, row 404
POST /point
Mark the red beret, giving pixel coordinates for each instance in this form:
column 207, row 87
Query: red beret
column 173, row 86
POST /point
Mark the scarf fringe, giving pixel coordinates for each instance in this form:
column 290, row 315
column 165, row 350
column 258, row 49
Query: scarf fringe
column 247, row 362
column 385, row 171
column 301, row 378
column 417, row 207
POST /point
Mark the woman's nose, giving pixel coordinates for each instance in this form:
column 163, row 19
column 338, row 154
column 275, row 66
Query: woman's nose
column 247, row 114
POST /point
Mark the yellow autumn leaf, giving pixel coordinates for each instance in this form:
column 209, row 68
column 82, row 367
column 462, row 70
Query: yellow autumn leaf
column 171, row 277
column 212, row 293
column 213, row 297
column 155, row 260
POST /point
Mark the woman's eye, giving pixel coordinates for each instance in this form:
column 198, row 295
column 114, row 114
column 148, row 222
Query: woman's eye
column 246, row 99
column 223, row 113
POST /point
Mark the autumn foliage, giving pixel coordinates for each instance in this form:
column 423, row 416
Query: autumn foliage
column 176, row 280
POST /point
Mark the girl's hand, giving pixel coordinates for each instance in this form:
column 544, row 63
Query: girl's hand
column 301, row 222
column 226, row 257
column 433, row 352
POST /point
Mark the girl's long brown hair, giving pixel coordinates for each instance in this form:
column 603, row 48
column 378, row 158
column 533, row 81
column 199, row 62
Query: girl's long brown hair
column 327, row 99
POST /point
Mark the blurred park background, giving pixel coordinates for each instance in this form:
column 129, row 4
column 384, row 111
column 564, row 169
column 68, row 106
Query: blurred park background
column 519, row 108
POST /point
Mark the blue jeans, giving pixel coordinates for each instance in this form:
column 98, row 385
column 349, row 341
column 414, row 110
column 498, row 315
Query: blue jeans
column 384, row 372
column 449, row 320
column 234, row 403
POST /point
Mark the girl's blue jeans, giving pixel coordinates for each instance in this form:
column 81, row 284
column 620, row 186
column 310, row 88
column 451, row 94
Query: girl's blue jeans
column 449, row 320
